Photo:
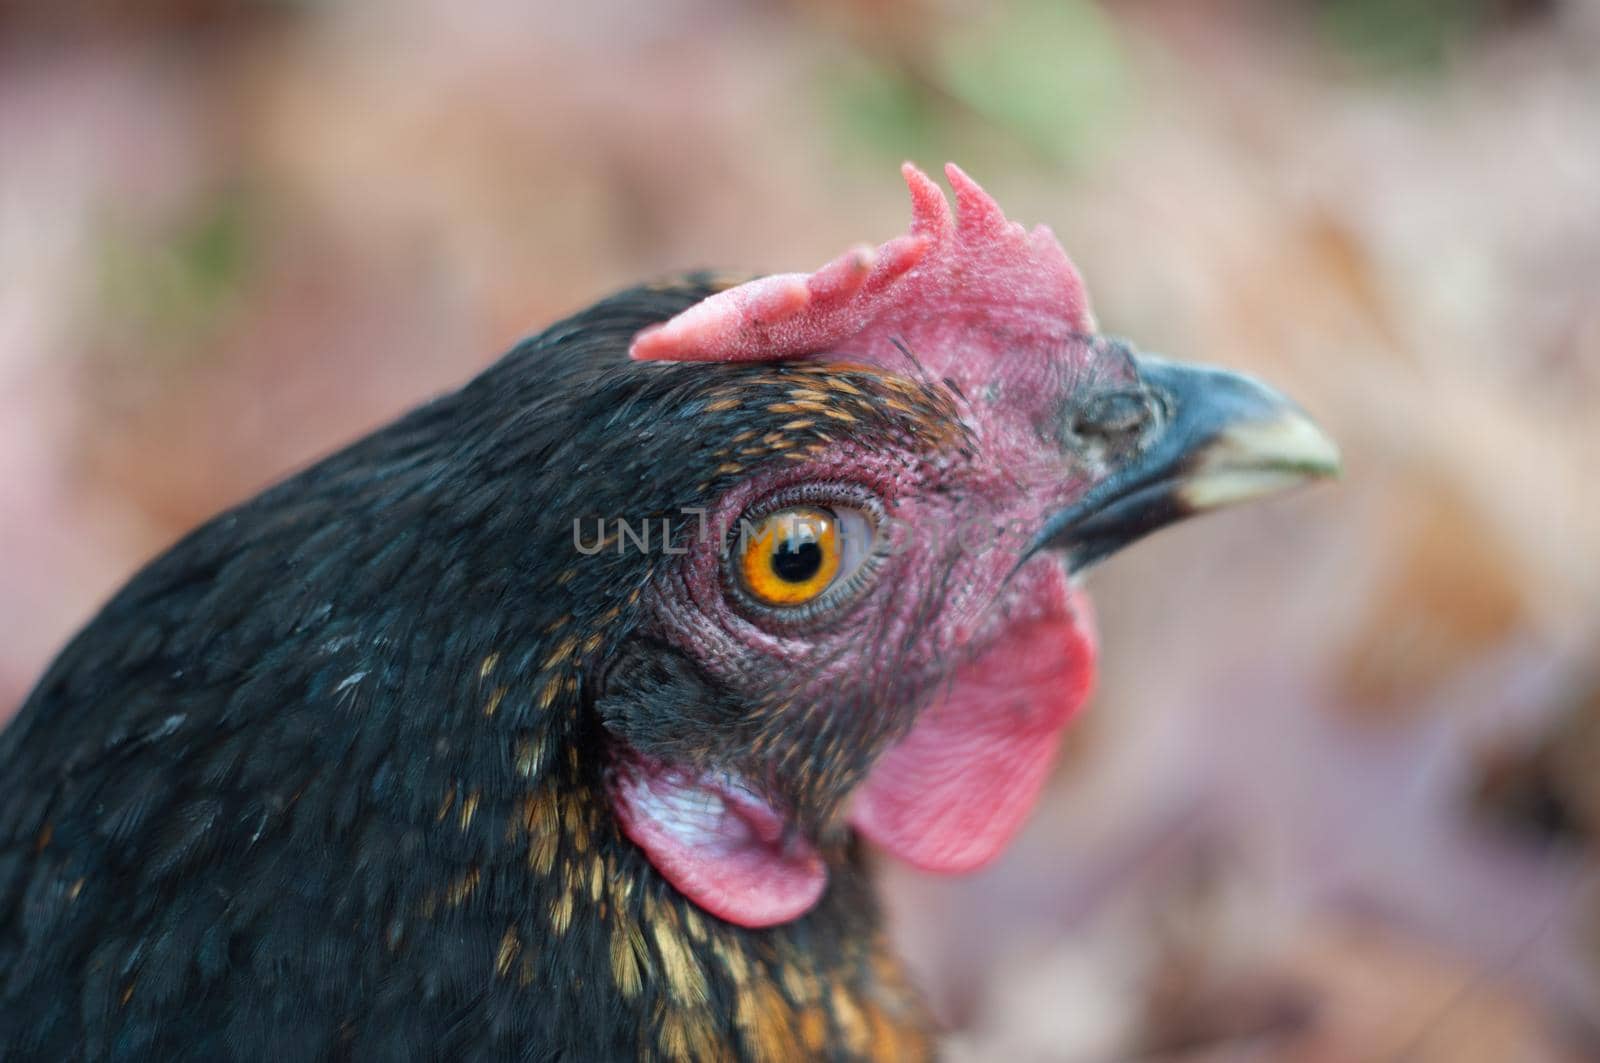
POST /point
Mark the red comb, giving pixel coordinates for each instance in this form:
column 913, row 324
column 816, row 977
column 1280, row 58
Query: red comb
column 973, row 267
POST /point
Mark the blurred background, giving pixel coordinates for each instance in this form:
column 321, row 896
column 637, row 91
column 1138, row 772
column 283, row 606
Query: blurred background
column 1338, row 797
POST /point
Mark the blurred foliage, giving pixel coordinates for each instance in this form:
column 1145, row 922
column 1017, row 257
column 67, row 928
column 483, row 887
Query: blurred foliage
column 1401, row 35
column 881, row 108
column 1051, row 72
column 1048, row 76
column 174, row 290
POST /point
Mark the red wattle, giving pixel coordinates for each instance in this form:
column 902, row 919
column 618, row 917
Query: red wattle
column 954, row 791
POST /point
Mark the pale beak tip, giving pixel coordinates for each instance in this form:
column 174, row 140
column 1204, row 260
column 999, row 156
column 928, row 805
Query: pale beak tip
column 1252, row 458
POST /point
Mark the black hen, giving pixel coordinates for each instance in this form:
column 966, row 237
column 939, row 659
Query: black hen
column 543, row 723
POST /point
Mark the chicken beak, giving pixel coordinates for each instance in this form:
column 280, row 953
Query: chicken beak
column 1218, row 438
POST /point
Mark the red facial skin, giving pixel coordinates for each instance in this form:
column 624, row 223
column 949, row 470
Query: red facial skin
column 991, row 651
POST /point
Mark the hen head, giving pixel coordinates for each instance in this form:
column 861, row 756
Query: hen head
column 446, row 744
column 869, row 619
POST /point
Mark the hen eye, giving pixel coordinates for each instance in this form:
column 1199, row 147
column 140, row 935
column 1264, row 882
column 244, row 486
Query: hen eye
column 792, row 556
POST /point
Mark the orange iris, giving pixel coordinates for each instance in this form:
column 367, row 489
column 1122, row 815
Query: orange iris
column 791, row 556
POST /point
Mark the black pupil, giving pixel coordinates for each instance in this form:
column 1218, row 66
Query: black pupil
column 797, row 560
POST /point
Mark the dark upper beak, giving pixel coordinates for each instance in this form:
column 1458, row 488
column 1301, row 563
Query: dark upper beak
column 1215, row 438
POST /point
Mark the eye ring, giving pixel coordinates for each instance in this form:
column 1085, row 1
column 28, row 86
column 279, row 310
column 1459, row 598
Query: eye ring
column 803, row 553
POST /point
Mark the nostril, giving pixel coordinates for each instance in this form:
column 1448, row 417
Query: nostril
column 1109, row 415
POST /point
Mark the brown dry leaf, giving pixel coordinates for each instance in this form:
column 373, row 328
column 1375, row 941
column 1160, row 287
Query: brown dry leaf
column 1350, row 993
column 1546, row 787
column 1382, row 997
column 1449, row 591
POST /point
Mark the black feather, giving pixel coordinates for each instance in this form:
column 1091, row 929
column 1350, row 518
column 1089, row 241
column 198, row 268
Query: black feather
column 259, row 808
